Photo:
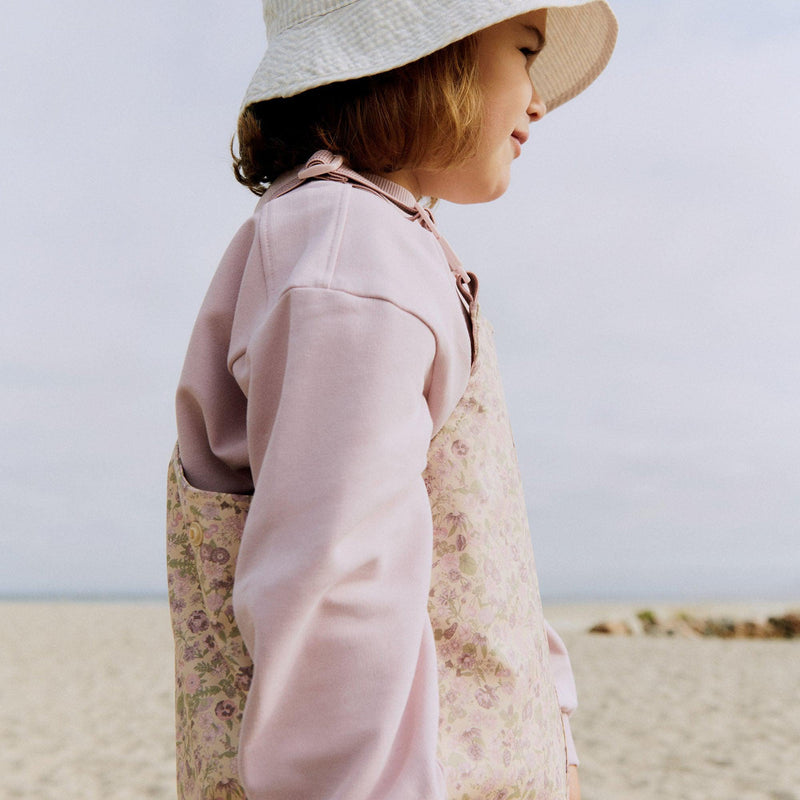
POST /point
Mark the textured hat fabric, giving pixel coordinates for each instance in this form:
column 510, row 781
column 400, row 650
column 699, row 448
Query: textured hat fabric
column 311, row 43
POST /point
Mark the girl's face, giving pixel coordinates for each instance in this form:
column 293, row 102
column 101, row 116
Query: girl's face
column 505, row 54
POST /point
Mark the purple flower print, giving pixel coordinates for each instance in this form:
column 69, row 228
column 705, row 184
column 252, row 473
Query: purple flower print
column 192, row 683
column 177, row 605
column 448, row 562
column 467, row 661
column 198, row 622
column 244, row 678
column 225, row 709
column 440, row 533
column 450, row 632
column 214, row 571
column 459, row 448
column 210, row 642
column 447, row 596
column 225, row 584
column 486, row 696
column 219, row 555
column 181, row 584
column 210, row 736
column 475, row 749
column 215, row 601
column 192, row 653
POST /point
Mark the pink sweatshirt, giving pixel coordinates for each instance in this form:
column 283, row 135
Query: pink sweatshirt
column 330, row 348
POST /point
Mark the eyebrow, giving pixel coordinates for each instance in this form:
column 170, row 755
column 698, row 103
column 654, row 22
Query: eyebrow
column 539, row 34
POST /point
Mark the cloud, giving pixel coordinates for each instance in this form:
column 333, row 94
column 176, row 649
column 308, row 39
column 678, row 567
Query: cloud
column 642, row 272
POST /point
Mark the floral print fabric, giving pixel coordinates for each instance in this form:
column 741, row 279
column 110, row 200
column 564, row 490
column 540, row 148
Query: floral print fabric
column 501, row 733
column 212, row 668
column 500, row 730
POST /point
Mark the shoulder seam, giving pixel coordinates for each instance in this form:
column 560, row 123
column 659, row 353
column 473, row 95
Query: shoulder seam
column 332, row 258
column 376, row 298
column 343, row 208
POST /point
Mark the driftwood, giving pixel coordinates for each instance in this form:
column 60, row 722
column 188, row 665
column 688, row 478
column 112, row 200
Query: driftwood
column 687, row 625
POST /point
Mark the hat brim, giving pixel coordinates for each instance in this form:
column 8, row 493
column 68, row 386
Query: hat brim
column 358, row 39
column 580, row 41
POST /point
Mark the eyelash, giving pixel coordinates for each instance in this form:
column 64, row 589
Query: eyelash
column 528, row 53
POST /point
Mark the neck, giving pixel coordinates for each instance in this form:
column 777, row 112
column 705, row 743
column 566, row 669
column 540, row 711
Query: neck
column 406, row 179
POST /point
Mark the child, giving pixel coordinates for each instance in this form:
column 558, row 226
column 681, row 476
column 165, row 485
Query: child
column 353, row 593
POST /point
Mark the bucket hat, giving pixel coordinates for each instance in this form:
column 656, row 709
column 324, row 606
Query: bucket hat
column 311, row 43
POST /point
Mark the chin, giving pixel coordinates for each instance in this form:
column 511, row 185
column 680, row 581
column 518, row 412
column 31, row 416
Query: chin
column 499, row 191
column 483, row 193
column 490, row 194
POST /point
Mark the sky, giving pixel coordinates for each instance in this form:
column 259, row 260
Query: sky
column 641, row 274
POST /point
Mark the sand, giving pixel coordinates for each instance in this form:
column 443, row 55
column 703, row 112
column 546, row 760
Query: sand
column 86, row 707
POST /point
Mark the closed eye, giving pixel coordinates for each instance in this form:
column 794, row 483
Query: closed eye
column 538, row 42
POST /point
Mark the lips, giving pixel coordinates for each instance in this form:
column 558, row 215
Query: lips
column 521, row 136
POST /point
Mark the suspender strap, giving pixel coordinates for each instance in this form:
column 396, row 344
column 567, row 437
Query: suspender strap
column 324, row 165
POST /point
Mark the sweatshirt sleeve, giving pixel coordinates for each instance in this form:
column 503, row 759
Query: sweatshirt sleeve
column 565, row 687
column 333, row 573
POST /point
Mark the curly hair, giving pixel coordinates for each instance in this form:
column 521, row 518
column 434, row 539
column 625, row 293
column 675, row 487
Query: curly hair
column 426, row 112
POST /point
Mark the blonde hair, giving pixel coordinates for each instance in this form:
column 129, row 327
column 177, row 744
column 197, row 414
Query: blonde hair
column 426, row 113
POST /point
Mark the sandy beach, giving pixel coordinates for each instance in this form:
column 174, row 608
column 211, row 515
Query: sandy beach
column 86, row 710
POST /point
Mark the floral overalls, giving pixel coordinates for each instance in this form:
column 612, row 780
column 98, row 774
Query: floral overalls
column 500, row 731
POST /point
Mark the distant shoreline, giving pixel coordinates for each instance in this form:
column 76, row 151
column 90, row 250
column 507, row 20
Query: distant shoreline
column 660, row 601
column 565, row 616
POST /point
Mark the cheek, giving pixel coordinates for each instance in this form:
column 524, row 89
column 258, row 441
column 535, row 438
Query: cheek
column 496, row 117
column 497, row 129
column 509, row 108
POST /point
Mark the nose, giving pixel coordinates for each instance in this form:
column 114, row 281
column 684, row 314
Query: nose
column 537, row 108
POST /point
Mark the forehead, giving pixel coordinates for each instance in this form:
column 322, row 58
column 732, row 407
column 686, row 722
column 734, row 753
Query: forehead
column 527, row 28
